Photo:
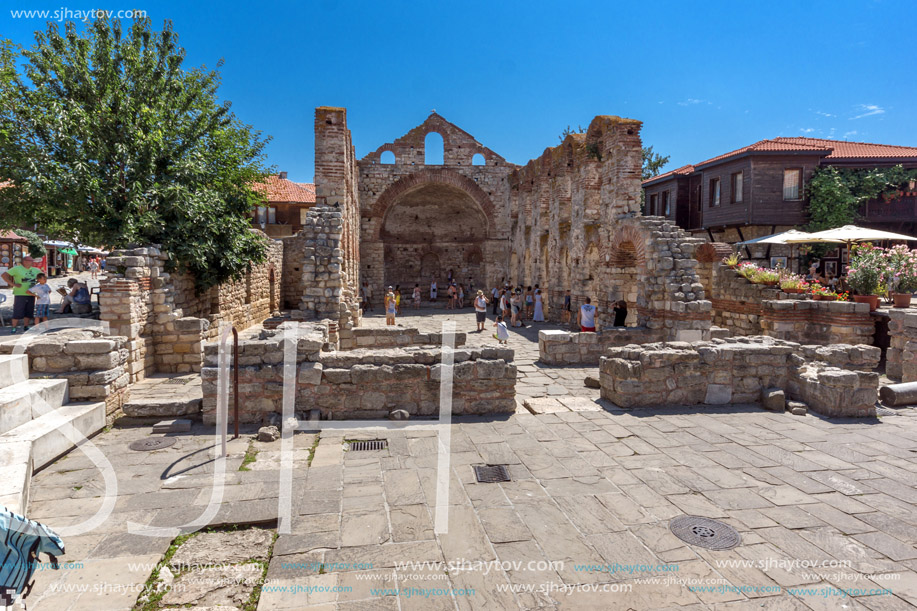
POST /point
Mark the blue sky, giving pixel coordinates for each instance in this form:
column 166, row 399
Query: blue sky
column 704, row 78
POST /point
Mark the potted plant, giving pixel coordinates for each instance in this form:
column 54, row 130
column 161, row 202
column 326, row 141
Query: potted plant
column 865, row 273
column 768, row 277
column 747, row 270
column 829, row 295
column 792, row 283
column 732, row 260
column 901, row 274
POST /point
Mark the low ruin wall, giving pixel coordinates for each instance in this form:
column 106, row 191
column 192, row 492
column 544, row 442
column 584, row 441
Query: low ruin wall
column 166, row 321
column 901, row 356
column 361, row 383
column 565, row 348
column 746, row 308
column 391, row 337
column 94, row 365
column 738, row 370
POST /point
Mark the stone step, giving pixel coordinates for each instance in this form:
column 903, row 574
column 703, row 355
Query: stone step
column 13, row 368
column 15, row 475
column 47, row 433
column 25, row 401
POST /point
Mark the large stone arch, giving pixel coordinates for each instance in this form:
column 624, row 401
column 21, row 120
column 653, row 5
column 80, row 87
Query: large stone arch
column 431, row 176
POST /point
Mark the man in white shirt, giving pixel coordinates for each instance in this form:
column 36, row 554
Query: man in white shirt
column 586, row 316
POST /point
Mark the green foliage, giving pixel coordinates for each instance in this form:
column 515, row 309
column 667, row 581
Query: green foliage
column 864, row 273
column 652, row 162
column 593, row 151
column 107, row 140
column 836, row 194
column 36, row 244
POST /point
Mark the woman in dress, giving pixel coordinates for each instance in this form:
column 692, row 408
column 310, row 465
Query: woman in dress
column 398, row 298
column 416, row 296
column 529, row 302
column 433, row 291
column 390, row 307
column 539, row 306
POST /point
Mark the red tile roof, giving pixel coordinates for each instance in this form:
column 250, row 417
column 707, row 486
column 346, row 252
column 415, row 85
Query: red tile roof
column 834, row 149
column 281, row 190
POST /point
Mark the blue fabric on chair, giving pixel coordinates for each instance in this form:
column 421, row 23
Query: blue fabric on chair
column 22, row 541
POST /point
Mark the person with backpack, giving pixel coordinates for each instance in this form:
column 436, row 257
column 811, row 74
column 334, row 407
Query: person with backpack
column 79, row 294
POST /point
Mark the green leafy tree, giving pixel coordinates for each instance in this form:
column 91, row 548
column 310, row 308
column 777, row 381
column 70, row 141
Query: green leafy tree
column 652, row 162
column 106, row 139
column 836, row 194
column 36, row 244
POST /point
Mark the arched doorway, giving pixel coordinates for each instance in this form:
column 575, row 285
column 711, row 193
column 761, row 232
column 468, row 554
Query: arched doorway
column 429, row 230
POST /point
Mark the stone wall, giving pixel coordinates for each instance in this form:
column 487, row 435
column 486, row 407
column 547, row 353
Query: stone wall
column 738, row 370
column 94, row 365
column 166, row 321
column 393, row 337
column 746, row 308
column 361, row 383
column 901, row 356
column 409, row 208
column 564, row 348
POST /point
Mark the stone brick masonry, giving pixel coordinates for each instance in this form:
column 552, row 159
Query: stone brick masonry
column 738, row 370
column 362, row 383
column 901, row 364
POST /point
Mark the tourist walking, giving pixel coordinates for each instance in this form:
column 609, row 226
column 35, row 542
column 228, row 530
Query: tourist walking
column 433, row 291
column 480, row 310
column 587, row 316
column 620, row 313
column 391, row 308
column 529, row 302
column 504, row 304
column 94, row 268
column 516, row 304
column 538, row 316
column 398, row 298
column 495, row 297
column 451, row 291
column 461, row 296
column 22, row 278
column 416, row 296
column 369, row 297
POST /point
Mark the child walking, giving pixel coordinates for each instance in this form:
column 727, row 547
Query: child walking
column 502, row 334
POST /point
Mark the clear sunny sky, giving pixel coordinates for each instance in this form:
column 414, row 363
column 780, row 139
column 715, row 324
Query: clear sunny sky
column 704, row 77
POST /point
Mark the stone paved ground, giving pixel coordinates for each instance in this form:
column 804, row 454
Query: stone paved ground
column 594, row 488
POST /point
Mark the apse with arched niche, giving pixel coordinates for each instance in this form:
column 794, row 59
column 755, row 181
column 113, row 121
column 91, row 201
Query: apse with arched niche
column 434, row 216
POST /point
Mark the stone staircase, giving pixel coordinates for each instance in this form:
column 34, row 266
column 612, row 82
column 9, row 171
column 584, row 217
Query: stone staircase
column 34, row 415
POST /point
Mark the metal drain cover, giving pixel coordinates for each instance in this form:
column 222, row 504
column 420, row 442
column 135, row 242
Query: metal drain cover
column 152, row 443
column 367, row 445
column 488, row 474
column 705, row 532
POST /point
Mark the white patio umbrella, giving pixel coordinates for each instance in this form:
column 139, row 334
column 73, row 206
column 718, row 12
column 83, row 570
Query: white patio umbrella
column 848, row 234
column 791, row 236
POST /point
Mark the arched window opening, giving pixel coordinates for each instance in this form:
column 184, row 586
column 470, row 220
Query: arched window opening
column 387, row 158
column 433, row 149
column 478, row 159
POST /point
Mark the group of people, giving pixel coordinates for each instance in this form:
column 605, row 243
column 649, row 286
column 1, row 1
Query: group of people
column 32, row 295
column 512, row 306
column 829, row 280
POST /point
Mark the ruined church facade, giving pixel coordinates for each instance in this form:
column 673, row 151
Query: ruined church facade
column 568, row 220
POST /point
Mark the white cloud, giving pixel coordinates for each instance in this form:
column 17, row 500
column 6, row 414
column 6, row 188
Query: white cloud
column 868, row 110
column 827, row 115
column 850, row 133
column 692, row 102
column 807, row 130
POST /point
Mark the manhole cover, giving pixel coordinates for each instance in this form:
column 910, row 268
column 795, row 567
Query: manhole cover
column 488, row 474
column 705, row 532
column 152, row 443
column 367, row 445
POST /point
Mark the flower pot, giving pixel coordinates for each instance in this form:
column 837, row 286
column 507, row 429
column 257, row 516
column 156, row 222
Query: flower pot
column 902, row 300
column 872, row 300
column 816, row 296
column 769, row 283
column 829, row 297
column 791, row 291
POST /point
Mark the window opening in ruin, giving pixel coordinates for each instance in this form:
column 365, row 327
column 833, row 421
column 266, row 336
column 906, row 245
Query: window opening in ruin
column 433, row 149
column 478, row 159
column 387, row 158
